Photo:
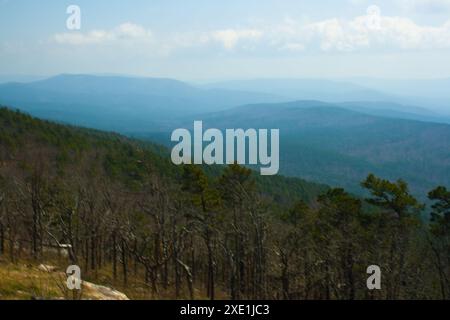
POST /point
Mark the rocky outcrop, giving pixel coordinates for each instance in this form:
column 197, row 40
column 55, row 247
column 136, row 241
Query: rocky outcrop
column 47, row 268
column 91, row 291
column 98, row 292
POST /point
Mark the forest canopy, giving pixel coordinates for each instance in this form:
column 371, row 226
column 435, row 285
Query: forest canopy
column 131, row 219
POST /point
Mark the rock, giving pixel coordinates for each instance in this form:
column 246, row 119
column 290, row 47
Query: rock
column 47, row 268
column 103, row 293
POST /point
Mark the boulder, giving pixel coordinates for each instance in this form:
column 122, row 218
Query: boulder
column 98, row 292
column 47, row 268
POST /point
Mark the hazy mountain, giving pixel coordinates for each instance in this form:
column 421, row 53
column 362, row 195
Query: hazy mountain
column 5, row 78
column 306, row 89
column 395, row 97
column 432, row 93
column 23, row 137
column 338, row 146
column 119, row 103
column 395, row 110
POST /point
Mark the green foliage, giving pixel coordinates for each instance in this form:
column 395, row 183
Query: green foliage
column 196, row 183
column 440, row 236
column 393, row 196
column 118, row 199
column 296, row 215
column 235, row 182
column 441, row 207
column 339, row 207
column 440, row 216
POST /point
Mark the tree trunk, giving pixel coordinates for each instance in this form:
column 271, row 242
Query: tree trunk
column 114, row 256
column 124, row 264
column 2, row 239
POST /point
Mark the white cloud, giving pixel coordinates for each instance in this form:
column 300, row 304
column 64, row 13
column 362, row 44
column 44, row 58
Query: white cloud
column 392, row 33
column 230, row 37
column 133, row 31
column 125, row 31
column 340, row 35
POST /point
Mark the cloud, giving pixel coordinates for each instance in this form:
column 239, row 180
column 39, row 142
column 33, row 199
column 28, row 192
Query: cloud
column 125, row 31
column 167, row 43
column 379, row 33
column 230, row 37
column 131, row 31
column 390, row 33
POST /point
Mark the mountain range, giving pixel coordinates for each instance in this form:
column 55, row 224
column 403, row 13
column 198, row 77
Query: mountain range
column 119, row 103
column 338, row 146
column 432, row 94
column 336, row 134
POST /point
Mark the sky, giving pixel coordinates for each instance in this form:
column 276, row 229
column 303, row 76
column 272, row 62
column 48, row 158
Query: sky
column 204, row 40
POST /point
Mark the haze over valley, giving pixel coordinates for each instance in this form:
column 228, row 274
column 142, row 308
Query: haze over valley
column 352, row 131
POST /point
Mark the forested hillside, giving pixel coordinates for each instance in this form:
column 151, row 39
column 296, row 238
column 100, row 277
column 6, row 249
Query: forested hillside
column 133, row 221
column 331, row 144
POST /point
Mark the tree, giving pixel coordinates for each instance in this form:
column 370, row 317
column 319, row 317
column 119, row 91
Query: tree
column 338, row 229
column 403, row 213
column 292, row 247
column 196, row 183
column 440, row 236
column 236, row 185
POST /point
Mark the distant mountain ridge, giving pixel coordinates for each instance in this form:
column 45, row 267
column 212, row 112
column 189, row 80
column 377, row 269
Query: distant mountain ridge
column 338, row 146
column 395, row 110
column 430, row 94
column 119, row 103
column 433, row 93
column 123, row 102
column 23, row 136
column 306, row 89
column 332, row 143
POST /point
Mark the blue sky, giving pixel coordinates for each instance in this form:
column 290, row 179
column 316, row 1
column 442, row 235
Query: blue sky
column 211, row 40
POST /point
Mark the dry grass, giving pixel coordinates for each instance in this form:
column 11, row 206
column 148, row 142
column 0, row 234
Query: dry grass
column 25, row 281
